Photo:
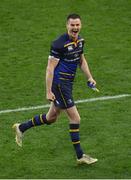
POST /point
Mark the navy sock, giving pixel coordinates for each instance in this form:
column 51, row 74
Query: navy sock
column 74, row 133
column 35, row 121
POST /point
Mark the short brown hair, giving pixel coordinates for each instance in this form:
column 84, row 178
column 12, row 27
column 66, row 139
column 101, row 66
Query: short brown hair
column 73, row 16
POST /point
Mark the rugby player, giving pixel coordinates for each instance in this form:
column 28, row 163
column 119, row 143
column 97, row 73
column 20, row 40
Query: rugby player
column 66, row 55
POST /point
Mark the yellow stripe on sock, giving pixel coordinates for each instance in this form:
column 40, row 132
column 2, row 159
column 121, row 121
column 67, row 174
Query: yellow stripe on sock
column 74, row 130
column 77, row 142
column 33, row 122
column 41, row 119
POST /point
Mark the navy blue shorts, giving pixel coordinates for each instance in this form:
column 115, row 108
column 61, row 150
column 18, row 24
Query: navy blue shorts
column 63, row 94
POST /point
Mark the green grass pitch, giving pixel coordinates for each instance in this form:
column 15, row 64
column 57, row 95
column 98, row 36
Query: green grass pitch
column 27, row 28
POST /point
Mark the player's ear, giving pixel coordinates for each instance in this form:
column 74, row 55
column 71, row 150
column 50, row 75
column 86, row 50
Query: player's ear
column 67, row 25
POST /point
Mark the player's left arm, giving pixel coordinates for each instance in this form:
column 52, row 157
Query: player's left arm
column 85, row 68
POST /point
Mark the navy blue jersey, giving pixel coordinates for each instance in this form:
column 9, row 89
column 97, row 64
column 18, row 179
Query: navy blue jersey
column 68, row 53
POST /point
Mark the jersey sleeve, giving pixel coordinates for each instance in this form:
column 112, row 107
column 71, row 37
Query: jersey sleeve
column 55, row 51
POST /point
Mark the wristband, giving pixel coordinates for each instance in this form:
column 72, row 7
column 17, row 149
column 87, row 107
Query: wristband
column 92, row 86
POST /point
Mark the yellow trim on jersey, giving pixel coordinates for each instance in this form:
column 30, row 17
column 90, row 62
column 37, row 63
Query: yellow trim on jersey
column 79, row 40
column 33, row 122
column 75, row 43
column 74, row 130
column 69, row 44
column 64, row 79
column 66, row 74
column 62, row 96
column 77, row 142
column 41, row 119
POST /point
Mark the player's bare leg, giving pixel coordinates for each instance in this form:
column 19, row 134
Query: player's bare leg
column 73, row 115
column 51, row 117
column 52, row 113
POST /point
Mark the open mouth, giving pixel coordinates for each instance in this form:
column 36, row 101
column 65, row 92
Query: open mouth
column 74, row 32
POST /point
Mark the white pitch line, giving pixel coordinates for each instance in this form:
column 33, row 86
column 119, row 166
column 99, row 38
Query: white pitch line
column 77, row 102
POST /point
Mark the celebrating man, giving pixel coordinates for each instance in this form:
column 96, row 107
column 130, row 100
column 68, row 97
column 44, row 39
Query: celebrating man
column 66, row 55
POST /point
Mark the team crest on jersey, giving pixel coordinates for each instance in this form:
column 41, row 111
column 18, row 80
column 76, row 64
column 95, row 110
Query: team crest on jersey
column 70, row 48
column 80, row 44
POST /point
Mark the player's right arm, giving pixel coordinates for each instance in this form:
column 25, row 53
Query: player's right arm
column 52, row 63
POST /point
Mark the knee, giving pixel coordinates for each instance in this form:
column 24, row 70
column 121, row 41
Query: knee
column 52, row 119
column 75, row 120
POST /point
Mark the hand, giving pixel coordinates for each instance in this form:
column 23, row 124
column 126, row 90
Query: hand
column 50, row 96
column 92, row 81
column 92, row 84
